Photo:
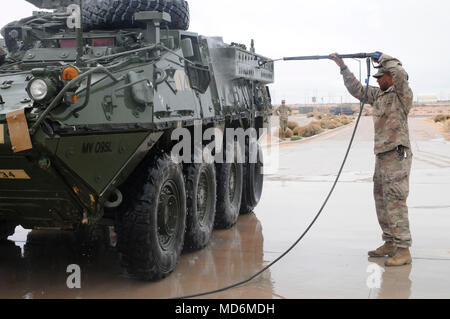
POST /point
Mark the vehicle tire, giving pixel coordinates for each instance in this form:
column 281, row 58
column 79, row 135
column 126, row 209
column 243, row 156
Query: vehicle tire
column 115, row 14
column 6, row 229
column 229, row 192
column 253, row 180
column 152, row 221
column 201, row 204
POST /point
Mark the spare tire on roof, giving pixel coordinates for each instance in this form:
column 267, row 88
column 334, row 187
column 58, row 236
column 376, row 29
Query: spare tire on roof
column 115, row 14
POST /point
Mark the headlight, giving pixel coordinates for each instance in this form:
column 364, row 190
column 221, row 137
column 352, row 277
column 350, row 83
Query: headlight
column 41, row 89
column 38, row 90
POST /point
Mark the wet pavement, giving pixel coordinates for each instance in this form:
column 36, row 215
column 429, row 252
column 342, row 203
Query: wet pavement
column 331, row 262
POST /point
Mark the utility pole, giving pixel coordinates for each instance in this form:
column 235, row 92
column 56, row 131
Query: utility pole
column 360, row 75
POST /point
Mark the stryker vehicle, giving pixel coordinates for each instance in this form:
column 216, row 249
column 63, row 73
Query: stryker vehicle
column 88, row 107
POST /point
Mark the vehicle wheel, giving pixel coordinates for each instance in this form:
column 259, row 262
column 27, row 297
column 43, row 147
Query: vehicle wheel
column 6, row 229
column 115, row 14
column 229, row 193
column 253, row 181
column 152, row 223
column 200, row 203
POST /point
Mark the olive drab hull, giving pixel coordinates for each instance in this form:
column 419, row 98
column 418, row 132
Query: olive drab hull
column 70, row 141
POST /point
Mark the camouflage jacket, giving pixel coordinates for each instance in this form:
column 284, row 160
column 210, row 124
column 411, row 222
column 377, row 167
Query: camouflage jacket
column 284, row 112
column 391, row 108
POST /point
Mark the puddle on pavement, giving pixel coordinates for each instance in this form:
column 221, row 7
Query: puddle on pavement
column 38, row 270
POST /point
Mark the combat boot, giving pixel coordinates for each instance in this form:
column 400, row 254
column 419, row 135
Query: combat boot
column 388, row 249
column 401, row 258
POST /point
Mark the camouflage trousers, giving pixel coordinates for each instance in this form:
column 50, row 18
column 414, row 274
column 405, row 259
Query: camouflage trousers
column 391, row 190
column 283, row 126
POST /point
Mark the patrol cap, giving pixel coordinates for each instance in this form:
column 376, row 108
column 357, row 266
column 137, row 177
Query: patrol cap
column 380, row 73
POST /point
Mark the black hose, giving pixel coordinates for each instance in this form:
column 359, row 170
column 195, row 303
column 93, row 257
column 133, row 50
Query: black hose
column 363, row 102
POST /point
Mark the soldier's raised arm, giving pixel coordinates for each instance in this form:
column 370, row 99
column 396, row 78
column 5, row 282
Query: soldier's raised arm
column 354, row 86
column 400, row 78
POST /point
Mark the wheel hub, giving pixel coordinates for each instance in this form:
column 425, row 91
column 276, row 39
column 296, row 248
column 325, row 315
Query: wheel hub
column 168, row 215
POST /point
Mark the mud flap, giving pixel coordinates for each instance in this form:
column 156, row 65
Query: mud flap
column 18, row 131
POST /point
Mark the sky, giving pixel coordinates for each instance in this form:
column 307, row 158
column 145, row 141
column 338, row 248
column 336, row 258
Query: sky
column 416, row 32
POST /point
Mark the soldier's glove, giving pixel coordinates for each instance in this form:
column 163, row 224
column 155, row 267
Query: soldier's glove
column 376, row 56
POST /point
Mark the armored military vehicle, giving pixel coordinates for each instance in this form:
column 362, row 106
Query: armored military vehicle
column 88, row 110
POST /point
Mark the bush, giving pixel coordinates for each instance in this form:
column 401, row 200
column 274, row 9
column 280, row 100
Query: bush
column 310, row 115
column 330, row 123
column 345, row 120
column 296, row 138
column 312, row 129
column 447, row 125
column 288, row 133
column 292, row 125
column 319, row 116
column 442, row 118
column 324, row 123
column 333, row 124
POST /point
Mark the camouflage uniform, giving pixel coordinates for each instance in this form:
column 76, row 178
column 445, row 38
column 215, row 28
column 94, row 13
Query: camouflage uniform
column 284, row 112
column 392, row 148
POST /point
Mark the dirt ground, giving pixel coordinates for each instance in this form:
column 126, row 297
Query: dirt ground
column 431, row 110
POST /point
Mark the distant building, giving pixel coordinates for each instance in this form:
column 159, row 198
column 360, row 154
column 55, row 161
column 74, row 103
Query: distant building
column 427, row 99
column 306, row 110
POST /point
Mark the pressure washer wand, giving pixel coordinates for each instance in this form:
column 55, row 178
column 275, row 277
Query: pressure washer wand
column 323, row 57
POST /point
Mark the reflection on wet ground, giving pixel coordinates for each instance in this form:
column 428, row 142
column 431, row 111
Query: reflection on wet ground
column 395, row 283
column 39, row 271
column 331, row 262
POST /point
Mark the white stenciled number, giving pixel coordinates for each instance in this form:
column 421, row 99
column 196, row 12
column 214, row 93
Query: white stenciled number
column 74, row 20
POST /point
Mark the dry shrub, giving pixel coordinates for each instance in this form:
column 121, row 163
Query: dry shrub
column 447, row 125
column 310, row 115
column 332, row 124
column 309, row 130
column 345, row 120
column 292, row 125
column 288, row 133
column 298, row 130
column 442, row 118
column 319, row 116
column 332, row 117
column 324, row 123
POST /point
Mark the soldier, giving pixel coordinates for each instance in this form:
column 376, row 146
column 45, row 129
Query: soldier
column 284, row 112
column 392, row 103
